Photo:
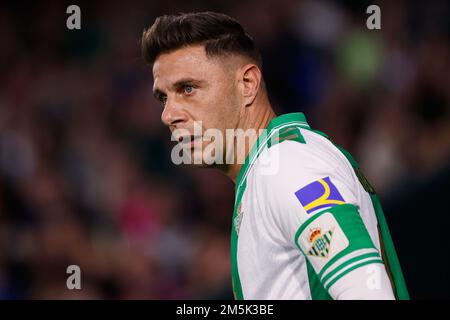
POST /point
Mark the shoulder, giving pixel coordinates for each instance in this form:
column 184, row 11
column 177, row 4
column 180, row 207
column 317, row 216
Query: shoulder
column 302, row 174
column 301, row 157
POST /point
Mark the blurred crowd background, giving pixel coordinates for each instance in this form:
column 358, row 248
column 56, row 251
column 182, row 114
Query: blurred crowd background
column 85, row 170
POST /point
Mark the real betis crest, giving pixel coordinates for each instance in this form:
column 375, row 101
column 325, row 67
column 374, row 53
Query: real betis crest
column 320, row 243
column 238, row 219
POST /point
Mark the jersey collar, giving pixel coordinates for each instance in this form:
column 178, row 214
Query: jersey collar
column 298, row 117
column 287, row 117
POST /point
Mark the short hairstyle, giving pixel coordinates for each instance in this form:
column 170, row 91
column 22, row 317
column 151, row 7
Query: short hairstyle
column 217, row 32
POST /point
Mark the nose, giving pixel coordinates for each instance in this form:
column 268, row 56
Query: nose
column 172, row 114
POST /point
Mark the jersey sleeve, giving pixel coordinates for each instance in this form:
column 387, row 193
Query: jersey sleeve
column 311, row 197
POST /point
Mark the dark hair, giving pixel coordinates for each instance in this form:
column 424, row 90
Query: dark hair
column 219, row 33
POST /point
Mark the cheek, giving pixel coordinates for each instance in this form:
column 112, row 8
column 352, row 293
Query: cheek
column 227, row 97
column 217, row 107
column 225, row 110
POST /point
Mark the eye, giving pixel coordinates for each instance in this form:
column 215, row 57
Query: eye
column 188, row 89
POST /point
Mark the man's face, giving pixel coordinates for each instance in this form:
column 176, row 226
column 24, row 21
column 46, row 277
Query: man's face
column 194, row 87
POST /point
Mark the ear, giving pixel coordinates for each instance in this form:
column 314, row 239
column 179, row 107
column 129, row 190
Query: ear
column 250, row 82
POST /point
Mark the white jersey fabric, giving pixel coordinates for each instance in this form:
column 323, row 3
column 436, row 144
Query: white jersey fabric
column 305, row 224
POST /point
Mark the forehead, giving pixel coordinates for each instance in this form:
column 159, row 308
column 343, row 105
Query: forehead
column 182, row 63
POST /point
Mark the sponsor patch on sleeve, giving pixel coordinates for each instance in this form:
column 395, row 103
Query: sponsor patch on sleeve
column 318, row 195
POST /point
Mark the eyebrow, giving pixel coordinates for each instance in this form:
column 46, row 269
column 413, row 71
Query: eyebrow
column 178, row 85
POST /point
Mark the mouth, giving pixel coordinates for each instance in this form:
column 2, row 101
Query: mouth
column 189, row 141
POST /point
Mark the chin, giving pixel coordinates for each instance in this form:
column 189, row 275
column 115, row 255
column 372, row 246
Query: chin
column 205, row 165
column 208, row 163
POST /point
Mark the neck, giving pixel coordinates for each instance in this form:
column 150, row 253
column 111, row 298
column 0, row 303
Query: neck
column 255, row 117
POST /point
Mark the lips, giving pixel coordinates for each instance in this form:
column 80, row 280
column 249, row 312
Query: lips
column 189, row 140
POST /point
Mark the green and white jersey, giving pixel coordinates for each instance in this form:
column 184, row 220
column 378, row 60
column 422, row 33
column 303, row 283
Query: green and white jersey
column 307, row 224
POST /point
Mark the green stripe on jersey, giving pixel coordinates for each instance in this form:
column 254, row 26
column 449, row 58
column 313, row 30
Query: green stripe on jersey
column 362, row 264
column 348, row 262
